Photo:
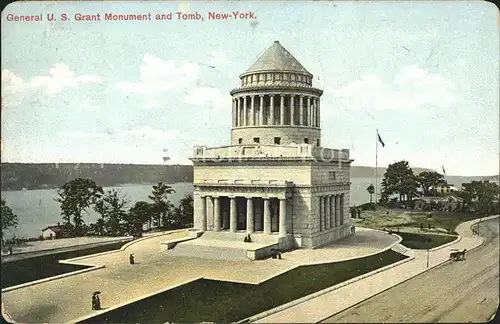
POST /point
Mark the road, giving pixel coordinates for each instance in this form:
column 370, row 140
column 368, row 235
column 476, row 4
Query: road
column 464, row 291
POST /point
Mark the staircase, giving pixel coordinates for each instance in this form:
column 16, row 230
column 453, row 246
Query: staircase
column 401, row 249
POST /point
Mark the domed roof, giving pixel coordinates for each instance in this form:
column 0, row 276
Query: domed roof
column 276, row 58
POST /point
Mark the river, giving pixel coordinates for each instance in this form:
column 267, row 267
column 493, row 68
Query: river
column 37, row 209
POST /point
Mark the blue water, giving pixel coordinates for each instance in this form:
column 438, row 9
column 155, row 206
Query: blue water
column 37, row 209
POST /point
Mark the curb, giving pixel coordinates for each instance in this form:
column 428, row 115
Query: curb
column 89, row 316
column 321, row 292
column 123, row 248
column 73, row 246
column 36, row 282
column 445, row 245
column 430, row 268
column 314, row 295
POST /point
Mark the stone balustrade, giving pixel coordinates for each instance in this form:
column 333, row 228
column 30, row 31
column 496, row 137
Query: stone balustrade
column 270, row 151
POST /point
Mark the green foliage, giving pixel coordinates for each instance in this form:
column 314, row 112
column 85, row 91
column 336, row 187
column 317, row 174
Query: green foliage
column 184, row 213
column 137, row 216
column 112, row 206
column 428, row 179
column 482, row 196
column 9, row 219
column 399, row 179
column 75, row 197
column 161, row 206
column 371, row 191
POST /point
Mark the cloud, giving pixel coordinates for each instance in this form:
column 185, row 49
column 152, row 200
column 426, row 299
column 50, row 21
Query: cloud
column 219, row 59
column 140, row 132
column 158, row 77
column 60, row 77
column 412, row 88
column 203, row 96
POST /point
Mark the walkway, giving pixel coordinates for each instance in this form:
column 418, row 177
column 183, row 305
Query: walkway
column 67, row 299
column 319, row 308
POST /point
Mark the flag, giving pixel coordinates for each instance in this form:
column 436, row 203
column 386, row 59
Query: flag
column 444, row 172
column 380, row 140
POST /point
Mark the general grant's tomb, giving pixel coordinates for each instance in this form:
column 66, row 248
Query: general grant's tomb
column 275, row 181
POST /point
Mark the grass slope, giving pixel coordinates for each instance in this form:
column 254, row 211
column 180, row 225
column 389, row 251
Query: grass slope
column 219, row 301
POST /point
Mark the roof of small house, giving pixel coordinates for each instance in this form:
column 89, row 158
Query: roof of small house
column 54, row 228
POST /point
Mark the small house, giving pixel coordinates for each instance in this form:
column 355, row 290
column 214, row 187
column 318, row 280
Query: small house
column 447, row 203
column 52, row 232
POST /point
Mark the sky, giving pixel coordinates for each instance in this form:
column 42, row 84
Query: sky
column 425, row 74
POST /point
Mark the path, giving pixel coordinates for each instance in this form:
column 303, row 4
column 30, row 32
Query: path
column 455, row 292
column 319, row 308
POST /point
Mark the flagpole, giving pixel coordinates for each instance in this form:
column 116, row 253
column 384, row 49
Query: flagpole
column 376, row 167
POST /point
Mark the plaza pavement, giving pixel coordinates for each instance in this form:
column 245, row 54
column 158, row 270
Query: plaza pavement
column 318, row 308
column 68, row 299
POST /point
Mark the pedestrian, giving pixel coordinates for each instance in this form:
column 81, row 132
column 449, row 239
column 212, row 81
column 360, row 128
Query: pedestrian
column 10, row 250
column 131, row 258
column 97, row 302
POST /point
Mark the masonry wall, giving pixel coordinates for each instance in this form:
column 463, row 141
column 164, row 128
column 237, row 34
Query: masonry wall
column 321, row 172
column 288, row 134
column 298, row 172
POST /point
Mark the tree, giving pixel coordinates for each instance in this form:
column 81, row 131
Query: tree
column 371, row 191
column 399, row 179
column 9, row 219
column 75, row 197
column 428, row 179
column 482, row 195
column 183, row 214
column 111, row 207
column 161, row 206
column 137, row 216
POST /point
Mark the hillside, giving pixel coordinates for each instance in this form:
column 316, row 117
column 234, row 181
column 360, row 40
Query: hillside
column 15, row 176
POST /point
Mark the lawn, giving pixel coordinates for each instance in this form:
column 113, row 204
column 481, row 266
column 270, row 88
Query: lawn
column 425, row 241
column 383, row 217
column 220, row 301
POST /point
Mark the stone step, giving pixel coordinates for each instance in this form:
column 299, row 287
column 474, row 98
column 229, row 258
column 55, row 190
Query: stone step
column 240, row 236
column 400, row 248
column 208, row 252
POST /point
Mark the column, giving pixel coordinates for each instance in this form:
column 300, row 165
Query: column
column 267, row 217
column 236, row 114
column 342, row 209
column 240, row 111
column 252, row 110
column 282, row 217
column 318, row 123
column 282, row 110
column 309, row 110
column 232, row 215
column 292, row 110
column 217, row 214
column 327, row 212
column 250, row 228
column 337, row 210
column 301, row 110
column 245, row 111
column 332, row 211
column 321, row 212
column 271, row 110
column 261, row 111
column 313, row 114
column 203, row 213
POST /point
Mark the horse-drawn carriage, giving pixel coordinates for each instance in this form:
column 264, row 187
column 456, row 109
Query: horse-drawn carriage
column 457, row 255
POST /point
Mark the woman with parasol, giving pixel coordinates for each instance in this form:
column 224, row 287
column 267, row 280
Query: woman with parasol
column 96, row 302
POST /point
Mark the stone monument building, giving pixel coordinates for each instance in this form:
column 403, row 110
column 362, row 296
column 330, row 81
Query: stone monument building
column 275, row 180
